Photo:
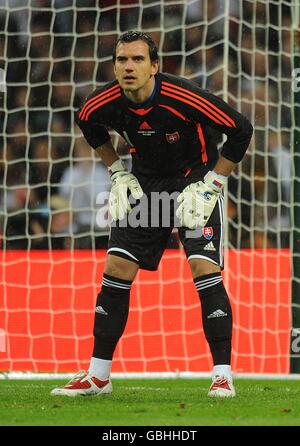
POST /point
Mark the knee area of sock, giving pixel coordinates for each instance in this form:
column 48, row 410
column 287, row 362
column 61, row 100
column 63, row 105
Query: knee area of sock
column 210, row 284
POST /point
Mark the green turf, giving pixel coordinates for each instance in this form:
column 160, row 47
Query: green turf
column 152, row 402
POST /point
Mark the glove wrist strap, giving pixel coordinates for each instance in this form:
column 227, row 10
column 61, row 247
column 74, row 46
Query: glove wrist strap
column 215, row 180
column 117, row 166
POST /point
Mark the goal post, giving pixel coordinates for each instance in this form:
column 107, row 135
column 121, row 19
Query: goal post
column 295, row 235
column 54, row 228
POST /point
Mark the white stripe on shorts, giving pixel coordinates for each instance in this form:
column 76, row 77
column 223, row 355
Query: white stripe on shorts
column 123, row 251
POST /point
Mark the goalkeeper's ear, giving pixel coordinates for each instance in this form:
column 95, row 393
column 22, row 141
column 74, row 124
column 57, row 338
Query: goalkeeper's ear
column 154, row 68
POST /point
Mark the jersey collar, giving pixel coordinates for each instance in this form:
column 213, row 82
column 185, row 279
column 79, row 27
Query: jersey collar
column 146, row 104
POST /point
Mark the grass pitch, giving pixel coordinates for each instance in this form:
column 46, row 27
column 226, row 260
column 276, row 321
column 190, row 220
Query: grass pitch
column 152, row 402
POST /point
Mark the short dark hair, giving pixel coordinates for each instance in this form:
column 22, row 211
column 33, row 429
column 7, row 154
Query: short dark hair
column 132, row 36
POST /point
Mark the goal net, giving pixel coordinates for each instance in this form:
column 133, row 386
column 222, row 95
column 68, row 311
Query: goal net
column 53, row 53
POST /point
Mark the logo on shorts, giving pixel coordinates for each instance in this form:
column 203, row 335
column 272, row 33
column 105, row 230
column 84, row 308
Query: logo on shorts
column 172, row 137
column 209, row 247
column 208, row 232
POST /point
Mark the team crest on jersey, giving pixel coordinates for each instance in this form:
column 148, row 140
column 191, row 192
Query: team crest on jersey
column 208, row 232
column 172, row 137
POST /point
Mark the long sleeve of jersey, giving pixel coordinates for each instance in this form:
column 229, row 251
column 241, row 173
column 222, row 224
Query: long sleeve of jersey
column 95, row 134
column 233, row 124
column 210, row 110
column 93, row 129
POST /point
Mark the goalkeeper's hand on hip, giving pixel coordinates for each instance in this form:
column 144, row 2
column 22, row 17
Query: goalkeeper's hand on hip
column 197, row 201
column 122, row 181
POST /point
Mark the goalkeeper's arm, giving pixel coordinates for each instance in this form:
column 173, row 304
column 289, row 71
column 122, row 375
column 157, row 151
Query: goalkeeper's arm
column 107, row 153
column 122, row 180
column 224, row 166
column 197, row 201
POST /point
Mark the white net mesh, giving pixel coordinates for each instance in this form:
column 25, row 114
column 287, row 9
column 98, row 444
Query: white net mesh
column 52, row 55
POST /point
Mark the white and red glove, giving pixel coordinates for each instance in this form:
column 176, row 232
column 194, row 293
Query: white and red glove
column 197, row 201
column 122, row 180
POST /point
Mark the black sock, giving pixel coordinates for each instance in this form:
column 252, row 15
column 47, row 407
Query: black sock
column 111, row 315
column 216, row 316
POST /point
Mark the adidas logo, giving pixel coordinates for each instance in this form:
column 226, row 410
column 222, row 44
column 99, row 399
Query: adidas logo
column 145, row 126
column 209, row 247
column 100, row 310
column 217, row 313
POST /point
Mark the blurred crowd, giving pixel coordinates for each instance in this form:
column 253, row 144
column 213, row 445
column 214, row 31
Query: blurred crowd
column 55, row 52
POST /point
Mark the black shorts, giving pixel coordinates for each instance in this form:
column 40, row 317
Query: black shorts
column 145, row 243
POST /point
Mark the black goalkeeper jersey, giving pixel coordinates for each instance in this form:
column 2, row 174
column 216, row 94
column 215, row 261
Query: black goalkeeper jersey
column 169, row 134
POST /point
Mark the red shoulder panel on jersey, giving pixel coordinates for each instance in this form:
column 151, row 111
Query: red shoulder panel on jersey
column 175, row 112
column 101, row 99
column 193, row 105
column 105, row 93
column 99, row 104
column 200, row 103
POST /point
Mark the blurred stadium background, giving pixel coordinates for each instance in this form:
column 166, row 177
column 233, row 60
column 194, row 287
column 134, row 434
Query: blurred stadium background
column 53, row 53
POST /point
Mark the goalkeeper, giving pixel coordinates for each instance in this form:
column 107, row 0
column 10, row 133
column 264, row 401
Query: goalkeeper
column 168, row 122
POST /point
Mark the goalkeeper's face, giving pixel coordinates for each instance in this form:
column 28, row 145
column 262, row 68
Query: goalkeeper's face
column 134, row 69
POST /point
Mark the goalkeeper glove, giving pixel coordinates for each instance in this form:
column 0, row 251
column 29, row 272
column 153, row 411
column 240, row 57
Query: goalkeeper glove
column 198, row 200
column 122, row 180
